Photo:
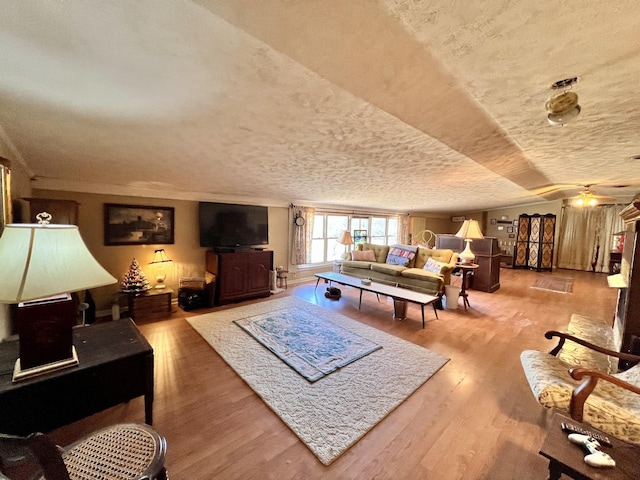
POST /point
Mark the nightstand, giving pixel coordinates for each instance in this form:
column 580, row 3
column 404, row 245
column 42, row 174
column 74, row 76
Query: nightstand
column 154, row 303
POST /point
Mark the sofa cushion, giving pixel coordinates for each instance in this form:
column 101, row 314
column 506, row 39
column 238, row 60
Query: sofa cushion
column 357, row 264
column 433, row 265
column 401, row 254
column 419, row 274
column 394, row 270
column 363, row 255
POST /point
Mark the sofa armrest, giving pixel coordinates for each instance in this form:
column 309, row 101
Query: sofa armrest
column 562, row 336
column 590, row 380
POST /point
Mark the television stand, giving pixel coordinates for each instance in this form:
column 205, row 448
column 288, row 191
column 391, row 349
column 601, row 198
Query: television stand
column 240, row 274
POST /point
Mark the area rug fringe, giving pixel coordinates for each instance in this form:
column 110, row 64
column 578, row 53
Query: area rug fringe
column 333, row 413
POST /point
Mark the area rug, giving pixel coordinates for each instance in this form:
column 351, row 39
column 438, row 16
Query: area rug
column 554, row 284
column 312, row 345
column 333, row 413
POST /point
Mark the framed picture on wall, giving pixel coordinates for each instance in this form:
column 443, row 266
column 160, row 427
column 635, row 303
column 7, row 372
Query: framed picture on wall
column 509, row 229
column 359, row 236
column 493, row 221
column 138, row 224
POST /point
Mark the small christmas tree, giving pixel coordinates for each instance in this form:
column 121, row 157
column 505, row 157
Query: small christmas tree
column 135, row 280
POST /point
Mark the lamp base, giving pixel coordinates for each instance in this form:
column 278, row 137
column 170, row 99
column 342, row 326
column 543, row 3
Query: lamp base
column 20, row 374
column 467, row 256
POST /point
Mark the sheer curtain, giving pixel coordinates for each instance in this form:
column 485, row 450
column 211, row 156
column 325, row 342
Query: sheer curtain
column 403, row 229
column 585, row 232
column 302, row 236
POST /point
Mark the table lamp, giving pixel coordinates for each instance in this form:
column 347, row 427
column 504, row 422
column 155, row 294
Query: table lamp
column 160, row 260
column 470, row 230
column 41, row 264
column 345, row 238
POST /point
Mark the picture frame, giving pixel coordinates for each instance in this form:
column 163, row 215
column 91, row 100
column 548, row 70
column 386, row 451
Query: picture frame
column 512, row 235
column 515, row 223
column 509, row 229
column 138, row 225
column 359, row 236
column 500, row 227
column 493, row 221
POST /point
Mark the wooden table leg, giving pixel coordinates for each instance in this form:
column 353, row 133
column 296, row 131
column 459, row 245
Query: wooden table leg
column 555, row 470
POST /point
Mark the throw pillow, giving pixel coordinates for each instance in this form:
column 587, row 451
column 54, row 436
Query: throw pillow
column 433, row 265
column 401, row 254
column 363, row 256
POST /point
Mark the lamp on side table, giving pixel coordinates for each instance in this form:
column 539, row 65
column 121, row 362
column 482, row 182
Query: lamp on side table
column 41, row 264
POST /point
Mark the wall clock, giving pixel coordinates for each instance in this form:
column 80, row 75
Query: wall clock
column 298, row 221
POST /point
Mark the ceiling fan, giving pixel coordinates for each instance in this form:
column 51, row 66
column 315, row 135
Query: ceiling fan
column 586, row 196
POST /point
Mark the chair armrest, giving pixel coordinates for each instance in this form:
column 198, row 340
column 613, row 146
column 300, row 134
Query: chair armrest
column 590, row 380
column 566, row 336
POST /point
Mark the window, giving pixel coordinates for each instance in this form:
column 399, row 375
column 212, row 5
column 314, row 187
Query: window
column 327, row 227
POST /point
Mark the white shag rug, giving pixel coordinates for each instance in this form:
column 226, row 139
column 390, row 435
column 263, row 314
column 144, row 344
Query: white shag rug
column 333, row 413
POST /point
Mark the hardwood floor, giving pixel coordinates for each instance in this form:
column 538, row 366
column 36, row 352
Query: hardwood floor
column 474, row 419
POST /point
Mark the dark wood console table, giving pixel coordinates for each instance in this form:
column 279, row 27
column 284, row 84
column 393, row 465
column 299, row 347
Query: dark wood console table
column 116, row 365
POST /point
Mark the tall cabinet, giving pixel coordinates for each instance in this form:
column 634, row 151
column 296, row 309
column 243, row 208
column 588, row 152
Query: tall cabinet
column 534, row 242
column 487, row 277
column 627, row 318
column 240, row 275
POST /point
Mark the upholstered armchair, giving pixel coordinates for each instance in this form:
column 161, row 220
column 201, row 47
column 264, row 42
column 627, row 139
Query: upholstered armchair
column 607, row 401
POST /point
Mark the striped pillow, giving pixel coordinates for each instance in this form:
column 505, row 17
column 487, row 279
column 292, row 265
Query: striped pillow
column 401, row 254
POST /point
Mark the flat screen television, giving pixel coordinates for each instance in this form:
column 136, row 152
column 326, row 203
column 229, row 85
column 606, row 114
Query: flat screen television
column 230, row 225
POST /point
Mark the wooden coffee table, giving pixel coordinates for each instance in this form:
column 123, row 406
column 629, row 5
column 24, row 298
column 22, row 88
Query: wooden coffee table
column 568, row 458
column 400, row 295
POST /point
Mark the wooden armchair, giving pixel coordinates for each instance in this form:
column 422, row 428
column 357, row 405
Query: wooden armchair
column 123, row 451
column 608, row 401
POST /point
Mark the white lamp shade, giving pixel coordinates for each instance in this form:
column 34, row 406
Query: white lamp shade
column 160, row 256
column 40, row 261
column 470, row 229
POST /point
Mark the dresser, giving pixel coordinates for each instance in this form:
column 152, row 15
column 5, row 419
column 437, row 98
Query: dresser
column 240, row 275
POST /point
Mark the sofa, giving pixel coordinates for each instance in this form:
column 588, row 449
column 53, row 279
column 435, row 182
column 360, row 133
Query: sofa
column 421, row 269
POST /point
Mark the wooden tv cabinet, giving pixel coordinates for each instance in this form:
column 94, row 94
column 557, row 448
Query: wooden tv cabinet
column 240, row 275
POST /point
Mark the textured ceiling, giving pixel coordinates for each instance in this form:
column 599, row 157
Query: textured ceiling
column 401, row 105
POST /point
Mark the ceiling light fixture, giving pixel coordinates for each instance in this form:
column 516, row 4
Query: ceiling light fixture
column 586, row 198
column 562, row 107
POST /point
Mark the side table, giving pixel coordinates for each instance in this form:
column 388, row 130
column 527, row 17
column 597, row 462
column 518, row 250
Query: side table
column 466, row 269
column 568, row 458
column 154, row 303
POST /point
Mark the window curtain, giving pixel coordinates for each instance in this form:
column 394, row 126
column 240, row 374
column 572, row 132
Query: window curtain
column 302, row 236
column 403, row 229
column 587, row 233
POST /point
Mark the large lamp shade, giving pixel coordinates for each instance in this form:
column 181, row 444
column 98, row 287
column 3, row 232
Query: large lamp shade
column 44, row 260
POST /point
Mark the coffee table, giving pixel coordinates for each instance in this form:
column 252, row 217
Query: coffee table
column 568, row 458
column 400, row 295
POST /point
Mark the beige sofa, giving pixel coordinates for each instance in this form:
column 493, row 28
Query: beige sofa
column 388, row 269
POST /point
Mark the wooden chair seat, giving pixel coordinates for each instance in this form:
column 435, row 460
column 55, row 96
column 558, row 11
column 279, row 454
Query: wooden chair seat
column 119, row 452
